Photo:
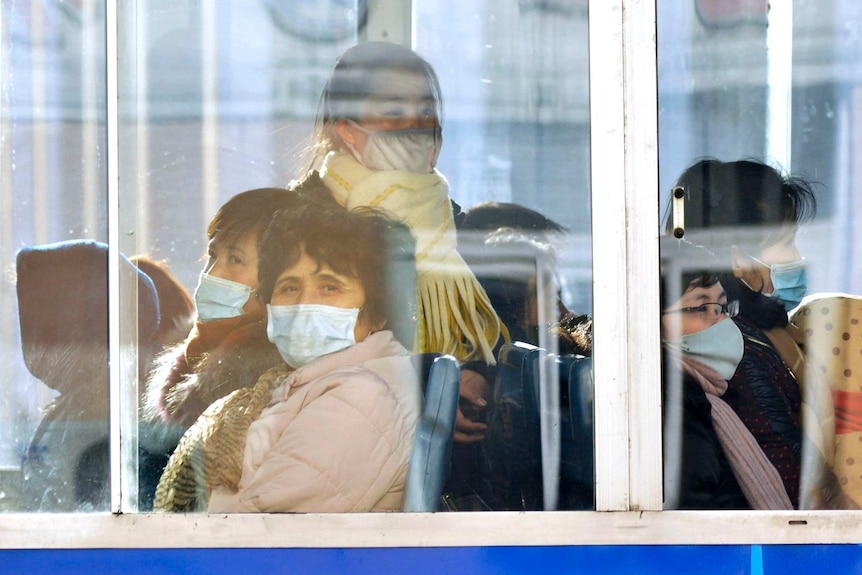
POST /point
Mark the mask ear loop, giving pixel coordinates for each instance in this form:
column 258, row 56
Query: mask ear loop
column 373, row 329
column 356, row 155
column 350, row 147
column 736, row 254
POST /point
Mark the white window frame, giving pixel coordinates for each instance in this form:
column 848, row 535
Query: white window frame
column 624, row 160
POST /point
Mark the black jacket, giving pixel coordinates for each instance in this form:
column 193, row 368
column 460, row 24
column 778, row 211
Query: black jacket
column 706, row 479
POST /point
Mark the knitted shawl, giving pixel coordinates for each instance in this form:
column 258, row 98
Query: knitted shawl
column 455, row 315
column 210, row 453
column 757, row 477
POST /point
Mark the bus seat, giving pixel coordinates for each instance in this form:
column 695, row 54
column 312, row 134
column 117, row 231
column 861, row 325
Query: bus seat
column 430, row 459
column 514, row 435
column 577, row 477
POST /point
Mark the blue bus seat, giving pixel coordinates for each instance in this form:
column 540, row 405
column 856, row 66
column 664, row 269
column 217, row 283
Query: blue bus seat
column 577, row 478
column 432, row 446
column 514, row 438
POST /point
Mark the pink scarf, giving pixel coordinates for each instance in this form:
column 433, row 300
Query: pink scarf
column 757, row 477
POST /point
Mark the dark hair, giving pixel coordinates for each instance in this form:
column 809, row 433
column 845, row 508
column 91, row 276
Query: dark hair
column 743, row 193
column 749, row 194
column 759, row 310
column 686, row 266
column 250, row 211
column 363, row 243
column 491, row 216
column 353, row 80
column 688, row 281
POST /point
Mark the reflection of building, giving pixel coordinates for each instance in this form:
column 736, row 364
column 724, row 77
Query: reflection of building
column 720, row 82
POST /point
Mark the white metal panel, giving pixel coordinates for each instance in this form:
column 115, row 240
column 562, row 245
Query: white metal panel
column 610, row 254
column 122, row 301
column 188, row 531
column 643, row 303
column 624, row 180
column 112, row 156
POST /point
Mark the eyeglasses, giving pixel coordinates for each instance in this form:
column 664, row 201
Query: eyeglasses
column 709, row 309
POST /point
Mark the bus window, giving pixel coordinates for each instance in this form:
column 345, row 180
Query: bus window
column 757, row 181
column 234, row 112
column 207, row 112
column 53, row 293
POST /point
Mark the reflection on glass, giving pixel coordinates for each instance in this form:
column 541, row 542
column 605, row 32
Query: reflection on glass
column 331, row 427
column 207, row 111
column 53, row 409
column 227, row 348
column 767, row 222
column 517, row 132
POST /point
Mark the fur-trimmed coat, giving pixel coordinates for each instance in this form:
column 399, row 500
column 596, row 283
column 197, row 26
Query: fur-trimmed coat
column 189, row 377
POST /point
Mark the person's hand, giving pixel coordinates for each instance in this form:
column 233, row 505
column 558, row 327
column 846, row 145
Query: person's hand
column 474, row 390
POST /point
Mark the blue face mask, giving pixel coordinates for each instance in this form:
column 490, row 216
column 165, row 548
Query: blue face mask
column 218, row 298
column 304, row 332
column 789, row 283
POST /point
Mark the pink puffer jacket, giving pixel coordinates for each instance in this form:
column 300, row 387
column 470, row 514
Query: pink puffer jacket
column 335, row 437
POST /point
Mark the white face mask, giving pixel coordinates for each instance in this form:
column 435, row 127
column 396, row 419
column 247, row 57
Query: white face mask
column 414, row 150
column 719, row 346
column 302, row 333
column 218, row 298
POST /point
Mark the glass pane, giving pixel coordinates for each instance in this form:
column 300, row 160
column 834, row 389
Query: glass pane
column 515, row 83
column 53, row 293
column 757, row 107
column 222, row 99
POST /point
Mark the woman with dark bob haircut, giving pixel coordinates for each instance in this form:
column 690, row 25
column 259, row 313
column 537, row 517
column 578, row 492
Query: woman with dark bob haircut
column 331, row 428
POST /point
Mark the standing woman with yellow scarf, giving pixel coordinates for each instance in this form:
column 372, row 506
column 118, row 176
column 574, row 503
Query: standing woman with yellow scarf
column 376, row 143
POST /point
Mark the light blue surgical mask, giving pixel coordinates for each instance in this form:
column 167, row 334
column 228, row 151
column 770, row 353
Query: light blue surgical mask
column 719, row 346
column 789, row 282
column 304, row 332
column 218, row 298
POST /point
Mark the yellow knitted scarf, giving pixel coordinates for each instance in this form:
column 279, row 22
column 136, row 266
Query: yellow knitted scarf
column 455, row 314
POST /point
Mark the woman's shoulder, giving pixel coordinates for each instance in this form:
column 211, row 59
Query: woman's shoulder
column 375, row 389
column 374, row 377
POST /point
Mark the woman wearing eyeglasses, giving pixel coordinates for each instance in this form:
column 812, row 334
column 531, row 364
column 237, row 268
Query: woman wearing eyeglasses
column 712, row 459
column 752, row 213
